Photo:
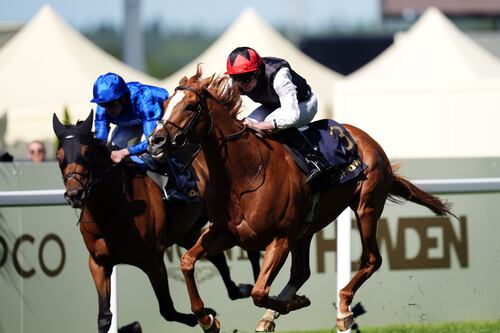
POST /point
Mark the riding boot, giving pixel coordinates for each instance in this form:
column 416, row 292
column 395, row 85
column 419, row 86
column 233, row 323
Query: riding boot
column 293, row 137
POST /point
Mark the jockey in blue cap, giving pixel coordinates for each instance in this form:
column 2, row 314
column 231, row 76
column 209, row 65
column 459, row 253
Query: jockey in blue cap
column 135, row 108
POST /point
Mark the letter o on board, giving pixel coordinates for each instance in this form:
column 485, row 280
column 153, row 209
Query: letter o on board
column 43, row 266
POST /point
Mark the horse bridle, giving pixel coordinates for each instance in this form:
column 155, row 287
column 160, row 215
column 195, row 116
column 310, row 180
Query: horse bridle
column 181, row 139
column 90, row 180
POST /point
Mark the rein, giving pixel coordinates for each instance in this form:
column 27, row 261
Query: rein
column 203, row 96
column 202, row 104
column 91, row 180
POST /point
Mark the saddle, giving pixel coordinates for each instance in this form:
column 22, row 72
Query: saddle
column 339, row 149
column 175, row 176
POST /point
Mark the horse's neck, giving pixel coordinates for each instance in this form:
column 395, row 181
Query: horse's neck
column 235, row 161
column 109, row 180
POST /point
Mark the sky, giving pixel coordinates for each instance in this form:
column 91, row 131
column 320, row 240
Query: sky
column 215, row 15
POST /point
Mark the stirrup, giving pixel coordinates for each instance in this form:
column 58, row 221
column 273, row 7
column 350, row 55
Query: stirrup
column 313, row 175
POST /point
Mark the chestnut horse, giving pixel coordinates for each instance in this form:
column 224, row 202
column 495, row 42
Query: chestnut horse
column 257, row 196
column 124, row 219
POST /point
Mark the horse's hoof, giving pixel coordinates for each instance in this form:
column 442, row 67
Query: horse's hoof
column 213, row 327
column 299, row 302
column 346, row 322
column 245, row 289
column 265, row 325
column 240, row 291
column 302, row 301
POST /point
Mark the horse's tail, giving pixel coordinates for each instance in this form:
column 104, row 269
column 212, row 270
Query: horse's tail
column 404, row 189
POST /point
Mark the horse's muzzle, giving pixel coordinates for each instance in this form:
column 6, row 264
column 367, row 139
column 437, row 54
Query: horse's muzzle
column 75, row 197
column 158, row 144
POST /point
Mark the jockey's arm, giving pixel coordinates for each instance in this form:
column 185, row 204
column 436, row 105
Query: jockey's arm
column 148, row 126
column 101, row 124
column 288, row 113
column 150, row 113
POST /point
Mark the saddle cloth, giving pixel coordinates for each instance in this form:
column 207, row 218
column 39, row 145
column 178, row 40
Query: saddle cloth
column 337, row 146
column 175, row 175
column 181, row 186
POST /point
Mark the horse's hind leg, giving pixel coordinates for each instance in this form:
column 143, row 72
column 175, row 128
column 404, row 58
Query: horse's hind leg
column 101, row 276
column 254, row 257
column 368, row 212
column 158, row 277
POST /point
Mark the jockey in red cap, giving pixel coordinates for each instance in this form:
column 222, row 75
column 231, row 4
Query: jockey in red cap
column 287, row 101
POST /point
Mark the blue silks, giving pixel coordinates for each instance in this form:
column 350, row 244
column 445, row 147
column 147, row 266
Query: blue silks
column 144, row 109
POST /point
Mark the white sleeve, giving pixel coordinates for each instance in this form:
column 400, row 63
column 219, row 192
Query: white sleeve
column 289, row 113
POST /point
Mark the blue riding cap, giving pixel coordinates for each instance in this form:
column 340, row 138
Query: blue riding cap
column 109, row 87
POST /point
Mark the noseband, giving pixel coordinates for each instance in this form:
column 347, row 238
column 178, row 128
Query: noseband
column 181, row 138
column 90, row 179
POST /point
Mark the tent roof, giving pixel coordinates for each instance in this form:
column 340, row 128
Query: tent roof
column 251, row 30
column 432, row 50
column 426, row 93
column 46, row 66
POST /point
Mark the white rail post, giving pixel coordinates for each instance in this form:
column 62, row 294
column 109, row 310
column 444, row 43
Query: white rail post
column 343, row 253
column 113, row 302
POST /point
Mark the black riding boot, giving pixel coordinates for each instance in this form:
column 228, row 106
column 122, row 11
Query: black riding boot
column 293, row 137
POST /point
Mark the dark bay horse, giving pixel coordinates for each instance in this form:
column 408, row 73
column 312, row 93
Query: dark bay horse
column 124, row 220
column 257, row 197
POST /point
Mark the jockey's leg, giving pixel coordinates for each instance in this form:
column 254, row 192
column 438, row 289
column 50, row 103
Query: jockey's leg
column 259, row 114
column 122, row 137
column 293, row 137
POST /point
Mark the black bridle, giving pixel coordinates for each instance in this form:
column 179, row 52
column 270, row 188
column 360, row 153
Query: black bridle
column 181, row 139
column 87, row 180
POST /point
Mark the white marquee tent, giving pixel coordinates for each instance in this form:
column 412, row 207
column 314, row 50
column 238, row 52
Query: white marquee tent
column 433, row 93
column 250, row 30
column 49, row 65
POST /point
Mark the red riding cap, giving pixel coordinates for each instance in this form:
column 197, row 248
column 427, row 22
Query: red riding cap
column 243, row 60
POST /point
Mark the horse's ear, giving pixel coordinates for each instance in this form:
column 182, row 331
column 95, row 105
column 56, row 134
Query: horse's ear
column 183, row 81
column 57, row 125
column 86, row 127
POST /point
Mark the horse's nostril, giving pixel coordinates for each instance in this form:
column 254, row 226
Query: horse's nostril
column 158, row 140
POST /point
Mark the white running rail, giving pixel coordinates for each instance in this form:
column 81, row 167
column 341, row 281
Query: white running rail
column 443, row 186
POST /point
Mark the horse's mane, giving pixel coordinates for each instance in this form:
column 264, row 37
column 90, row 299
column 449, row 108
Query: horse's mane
column 219, row 88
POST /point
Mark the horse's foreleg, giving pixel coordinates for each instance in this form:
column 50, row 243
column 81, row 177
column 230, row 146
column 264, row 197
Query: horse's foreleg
column 158, row 277
column 209, row 243
column 234, row 291
column 274, row 258
column 101, row 276
column 300, row 273
column 367, row 215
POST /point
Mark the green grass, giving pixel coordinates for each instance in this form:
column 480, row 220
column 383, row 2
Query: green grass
column 460, row 327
